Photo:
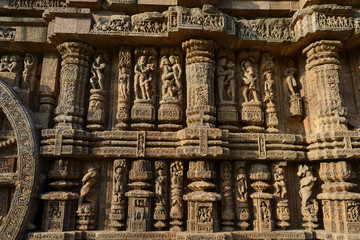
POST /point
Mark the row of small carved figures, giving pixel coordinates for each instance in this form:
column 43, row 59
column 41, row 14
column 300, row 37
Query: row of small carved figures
column 125, row 25
column 38, row 3
column 263, row 31
column 335, row 22
column 208, row 20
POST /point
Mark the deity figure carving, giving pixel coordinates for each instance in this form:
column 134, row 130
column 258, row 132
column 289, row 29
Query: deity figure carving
column 309, row 206
column 171, row 78
column 124, row 83
column 295, row 99
column 306, row 183
column 160, row 195
column 97, row 68
column 268, row 85
column 28, row 79
column 87, row 207
column 143, row 79
column 225, row 71
column 289, row 74
column 240, row 185
column 249, row 79
column 279, row 178
column 88, row 182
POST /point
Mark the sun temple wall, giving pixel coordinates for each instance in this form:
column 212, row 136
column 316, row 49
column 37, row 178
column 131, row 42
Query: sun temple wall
column 178, row 119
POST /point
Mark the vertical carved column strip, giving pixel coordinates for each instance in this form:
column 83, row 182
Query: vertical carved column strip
column 160, row 213
column 74, row 73
column 263, row 219
column 323, row 72
column 200, row 69
column 122, row 115
column 227, row 211
column 117, row 211
column 268, row 71
column 176, row 200
column 241, row 194
column 202, row 205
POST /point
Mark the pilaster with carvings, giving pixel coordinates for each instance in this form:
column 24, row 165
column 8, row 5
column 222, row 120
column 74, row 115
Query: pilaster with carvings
column 74, row 73
column 200, row 69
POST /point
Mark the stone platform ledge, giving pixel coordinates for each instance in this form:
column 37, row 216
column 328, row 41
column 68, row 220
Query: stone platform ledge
column 166, row 235
column 324, row 235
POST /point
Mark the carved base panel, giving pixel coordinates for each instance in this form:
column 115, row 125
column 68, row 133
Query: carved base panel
column 144, row 114
column 296, row 108
column 170, row 115
column 228, row 116
column 122, row 115
column 253, row 116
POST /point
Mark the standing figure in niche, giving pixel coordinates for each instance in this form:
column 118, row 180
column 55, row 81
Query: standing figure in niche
column 28, row 66
column 221, row 75
column 160, row 186
column 269, row 82
column 142, row 78
column 97, row 80
column 241, row 186
column 280, row 186
column 230, row 81
column 289, row 77
column 249, row 79
column 167, row 78
column 176, row 68
column 124, row 83
column 306, row 183
column 88, row 181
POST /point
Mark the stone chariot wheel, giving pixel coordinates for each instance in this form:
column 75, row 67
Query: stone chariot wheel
column 18, row 165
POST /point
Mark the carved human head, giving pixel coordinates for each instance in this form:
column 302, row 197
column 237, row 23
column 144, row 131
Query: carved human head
column 174, row 59
column 142, row 60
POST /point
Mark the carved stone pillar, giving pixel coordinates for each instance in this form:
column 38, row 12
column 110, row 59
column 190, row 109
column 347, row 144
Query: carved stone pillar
column 200, row 70
column 322, row 79
column 60, row 204
column 117, row 212
column 202, row 205
column 74, row 73
column 341, row 208
column 263, row 220
column 139, row 203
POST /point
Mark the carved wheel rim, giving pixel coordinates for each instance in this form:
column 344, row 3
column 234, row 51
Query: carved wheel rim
column 14, row 223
